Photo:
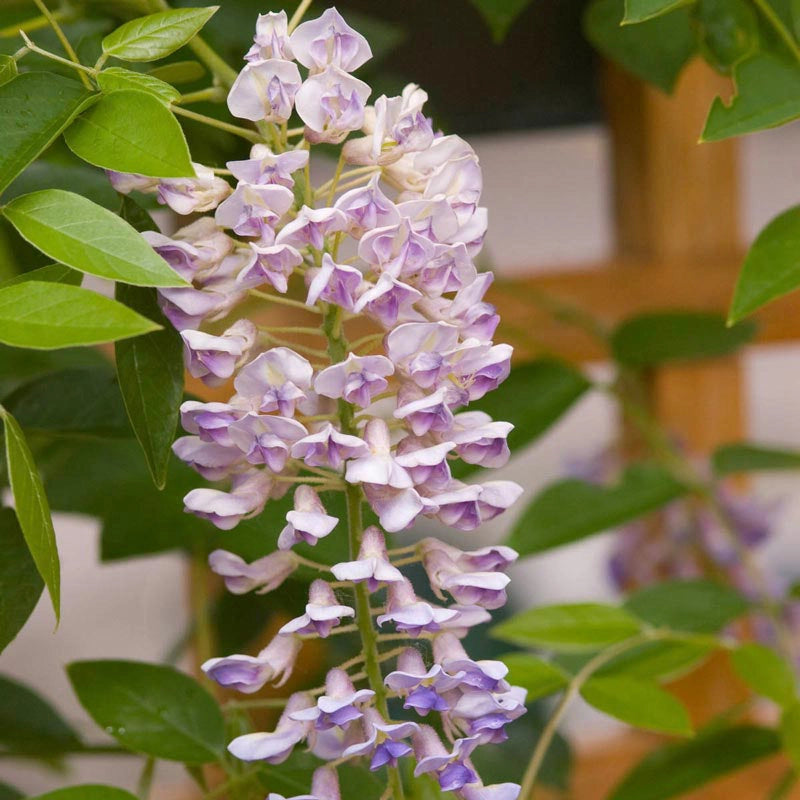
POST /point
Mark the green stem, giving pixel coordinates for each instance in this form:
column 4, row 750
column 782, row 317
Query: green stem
column 337, row 350
column 785, row 34
column 213, row 94
column 33, row 24
column 146, row 778
column 573, row 690
column 245, row 133
column 298, row 15
column 284, row 301
column 82, row 70
column 65, row 43
column 201, row 607
column 221, row 70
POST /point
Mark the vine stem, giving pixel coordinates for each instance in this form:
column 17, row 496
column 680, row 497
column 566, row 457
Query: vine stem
column 251, row 136
column 572, row 691
column 298, row 15
column 222, row 71
column 65, row 43
column 337, row 350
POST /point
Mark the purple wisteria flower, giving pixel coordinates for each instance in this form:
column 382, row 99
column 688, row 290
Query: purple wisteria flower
column 248, row 674
column 264, row 574
column 308, row 522
column 339, row 706
column 322, row 613
column 372, row 565
column 374, row 400
column 275, row 747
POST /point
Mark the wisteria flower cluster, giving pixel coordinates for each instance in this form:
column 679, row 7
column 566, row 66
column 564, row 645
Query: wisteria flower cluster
column 389, row 241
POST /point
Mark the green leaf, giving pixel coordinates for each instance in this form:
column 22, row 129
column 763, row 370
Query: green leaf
column 8, row 68
column 88, row 403
column 771, row 268
column 662, row 661
column 157, row 35
column 33, row 511
column 18, row 366
column 764, row 671
column 131, row 131
column 694, row 606
column 20, row 582
column 29, row 725
column 790, row 733
column 152, row 709
column 500, row 14
column 727, row 31
column 767, row 95
column 179, row 72
column 537, row 676
column 79, row 233
column 114, row 79
column 52, row 273
column 647, row 340
column 640, row 703
column 580, row 626
column 655, row 51
column 679, row 768
column 569, row 510
column 729, row 459
column 35, row 107
column 9, row 792
column 532, row 398
column 150, row 370
column 52, row 315
column 93, row 791
column 641, row 10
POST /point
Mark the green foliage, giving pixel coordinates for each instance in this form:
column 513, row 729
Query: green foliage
column 92, row 791
column 569, row 510
column 157, row 35
column 32, row 508
column 30, row 726
column 151, row 709
column 130, row 130
column 643, row 704
column 50, row 102
column 641, row 10
column 179, row 72
column 20, row 582
column 679, row 768
column 662, row 661
column 52, row 315
column 89, row 404
column 79, row 233
column 790, row 733
column 727, row 31
column 772, row 266
column 764, row 671
column 729, row 459
column 114, row 79
column 55, row 273
column 537, row 676
column 655, row 50
column 150, row 370
column 697, row 606
column 533, row 397
column 500, row 14
column 575, row 627
column 767, row 95
column 8, row 69
column 647, row 340
column 9, row 792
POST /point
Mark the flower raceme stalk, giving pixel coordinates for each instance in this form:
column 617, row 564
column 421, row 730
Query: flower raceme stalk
column 390, row 239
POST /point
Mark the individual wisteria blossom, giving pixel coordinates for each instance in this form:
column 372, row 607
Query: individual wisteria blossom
column 368, row 393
